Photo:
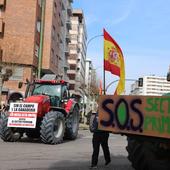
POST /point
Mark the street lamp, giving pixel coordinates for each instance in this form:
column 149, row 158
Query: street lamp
column 92, row 38
column 110, row 84
column 90, row 92
column 116, row 81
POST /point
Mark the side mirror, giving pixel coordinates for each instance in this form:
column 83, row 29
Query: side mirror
column 20, row 85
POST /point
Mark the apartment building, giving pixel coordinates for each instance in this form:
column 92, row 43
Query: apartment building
column 77, row 55
column 33, row 38
column 65, row 38
column 152, row 85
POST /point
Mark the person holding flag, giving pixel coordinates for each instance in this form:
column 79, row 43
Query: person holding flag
column 114, row 63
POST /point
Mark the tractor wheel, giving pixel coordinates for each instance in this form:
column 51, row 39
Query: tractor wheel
column 144, row 155
column 72, row 124
column 52, row 128
column 8, row 134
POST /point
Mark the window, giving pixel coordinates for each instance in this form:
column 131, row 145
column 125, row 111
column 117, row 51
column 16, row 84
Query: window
column 64, row 92
column 39, row 3
column 72, row 66
column 38, row 26
column 55, row 9
column 2, row 3
column 1, row 26
column 17, row 73
column 0, row 13
column 1, row 53
column 52, row 54
column 53, row 32
column 36, row 50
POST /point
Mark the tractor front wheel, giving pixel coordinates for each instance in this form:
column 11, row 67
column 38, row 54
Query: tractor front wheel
column 8, row 134
column 52, row 128
column 72, row 124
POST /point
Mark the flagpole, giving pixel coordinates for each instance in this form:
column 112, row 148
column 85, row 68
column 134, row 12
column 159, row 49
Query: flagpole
column 104, row 91
column 104, row 83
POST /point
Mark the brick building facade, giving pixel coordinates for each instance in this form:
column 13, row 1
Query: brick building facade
column 25, row 32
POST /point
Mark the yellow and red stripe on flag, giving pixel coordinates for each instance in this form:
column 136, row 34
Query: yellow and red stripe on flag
column 114, row 61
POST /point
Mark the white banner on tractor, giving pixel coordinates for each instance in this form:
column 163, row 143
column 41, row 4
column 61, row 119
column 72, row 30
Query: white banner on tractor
column 23, row 115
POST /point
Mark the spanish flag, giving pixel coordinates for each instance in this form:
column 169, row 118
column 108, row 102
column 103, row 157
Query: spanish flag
column 114, row 61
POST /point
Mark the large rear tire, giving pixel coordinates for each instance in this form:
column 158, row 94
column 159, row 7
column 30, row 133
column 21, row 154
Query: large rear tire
column 52, row 128
column 146, row 155
column 72, row 124
column 8, row 134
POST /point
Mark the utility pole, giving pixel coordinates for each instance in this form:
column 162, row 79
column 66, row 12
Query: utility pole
column 40, row 52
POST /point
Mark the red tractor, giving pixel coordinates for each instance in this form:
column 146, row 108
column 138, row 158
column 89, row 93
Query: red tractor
column 47, row 111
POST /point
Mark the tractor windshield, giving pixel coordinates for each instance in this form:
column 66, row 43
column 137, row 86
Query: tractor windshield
column 46, row 89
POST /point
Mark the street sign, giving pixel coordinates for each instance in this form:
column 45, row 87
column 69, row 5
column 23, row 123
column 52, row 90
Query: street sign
column 23, row 115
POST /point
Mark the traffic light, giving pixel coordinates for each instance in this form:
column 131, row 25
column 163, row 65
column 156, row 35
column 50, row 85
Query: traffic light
column 168, row 76
column 140, row 82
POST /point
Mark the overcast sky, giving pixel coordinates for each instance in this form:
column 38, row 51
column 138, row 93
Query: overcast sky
column 140, row 27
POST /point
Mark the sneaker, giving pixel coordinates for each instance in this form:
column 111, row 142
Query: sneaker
column 107, row 162
column 93, row 167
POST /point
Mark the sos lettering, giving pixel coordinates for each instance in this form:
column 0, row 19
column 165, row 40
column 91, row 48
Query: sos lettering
column 125, row 115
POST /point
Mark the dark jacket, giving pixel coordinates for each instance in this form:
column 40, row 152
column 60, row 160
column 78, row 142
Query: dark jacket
column 93, row 125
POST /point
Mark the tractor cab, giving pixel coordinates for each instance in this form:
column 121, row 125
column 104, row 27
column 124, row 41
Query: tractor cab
column 57, row 91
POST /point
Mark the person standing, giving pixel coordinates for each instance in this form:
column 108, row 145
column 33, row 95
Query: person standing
column 99, row 138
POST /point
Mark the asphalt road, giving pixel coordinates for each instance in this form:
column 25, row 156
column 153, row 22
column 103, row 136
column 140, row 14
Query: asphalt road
column 70, row 155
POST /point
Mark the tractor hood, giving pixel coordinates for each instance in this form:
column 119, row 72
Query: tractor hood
column 43, row 103
column 37, row 99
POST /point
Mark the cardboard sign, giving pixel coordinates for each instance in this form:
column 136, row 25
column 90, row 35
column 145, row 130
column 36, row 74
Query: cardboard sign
column 23, row 115
column 141, row 115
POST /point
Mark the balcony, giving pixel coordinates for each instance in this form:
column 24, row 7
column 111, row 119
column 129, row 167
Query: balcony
column 71, row 71
column 72, row 82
